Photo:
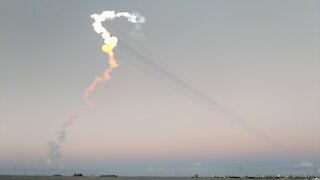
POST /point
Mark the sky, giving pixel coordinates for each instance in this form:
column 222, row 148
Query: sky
column 208, row 87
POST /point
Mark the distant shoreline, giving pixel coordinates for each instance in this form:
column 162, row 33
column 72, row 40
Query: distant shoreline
column 40, row 177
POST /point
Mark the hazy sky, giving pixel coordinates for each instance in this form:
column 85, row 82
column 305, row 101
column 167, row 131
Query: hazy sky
column 260, row 60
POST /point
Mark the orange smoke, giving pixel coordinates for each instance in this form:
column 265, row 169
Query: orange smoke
column 107, row 48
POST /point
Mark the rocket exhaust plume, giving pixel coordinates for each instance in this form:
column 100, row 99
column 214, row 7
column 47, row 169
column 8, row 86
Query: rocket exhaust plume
column 110, row 42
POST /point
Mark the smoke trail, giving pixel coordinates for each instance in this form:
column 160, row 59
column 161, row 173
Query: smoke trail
column 110, row 42
column 53, row 154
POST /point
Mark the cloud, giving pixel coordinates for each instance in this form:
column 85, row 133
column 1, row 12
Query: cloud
column 305, row 164
column 197, row 164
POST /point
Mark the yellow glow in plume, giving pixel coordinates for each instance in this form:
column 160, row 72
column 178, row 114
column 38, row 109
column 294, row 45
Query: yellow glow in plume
column 109, row 46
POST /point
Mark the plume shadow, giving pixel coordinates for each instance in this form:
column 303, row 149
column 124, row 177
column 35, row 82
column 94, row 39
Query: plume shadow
column 182, row 85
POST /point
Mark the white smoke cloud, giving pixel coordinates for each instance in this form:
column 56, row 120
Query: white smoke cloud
column 53, row 155
column 61, row 135
column 109, row 15
column 136, row 32
column 305, row 164
column 197, row 164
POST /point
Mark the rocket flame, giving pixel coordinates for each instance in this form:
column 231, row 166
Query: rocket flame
column 110, row 42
